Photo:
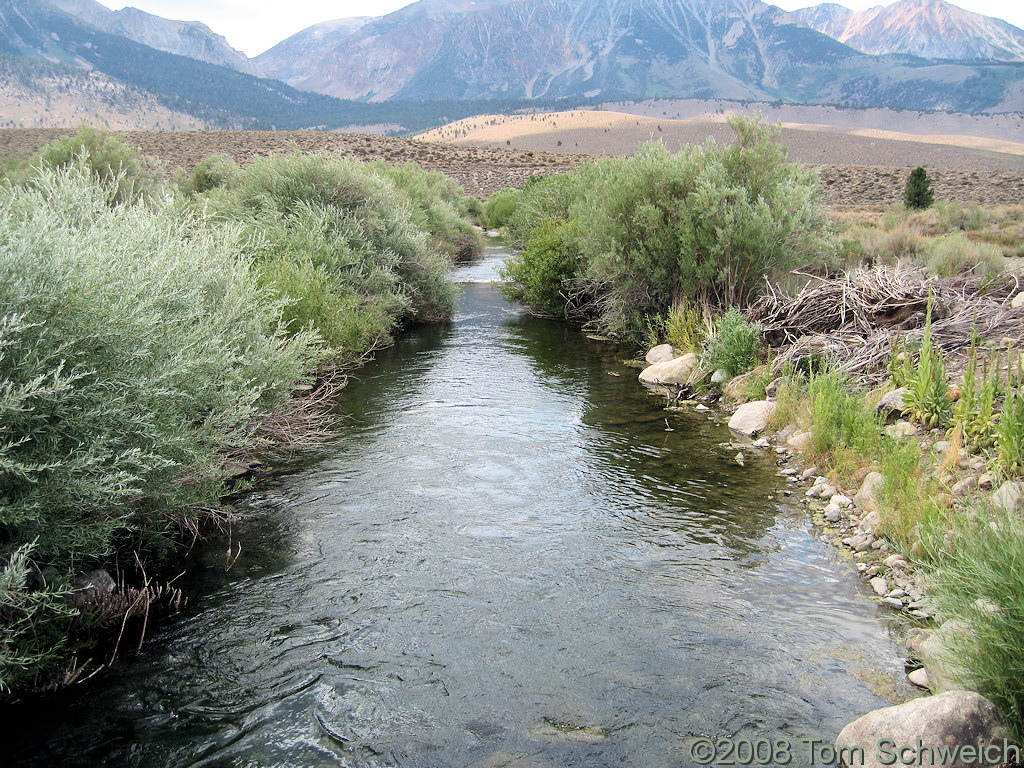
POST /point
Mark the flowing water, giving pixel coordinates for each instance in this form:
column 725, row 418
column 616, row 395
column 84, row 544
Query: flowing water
column 507, row 557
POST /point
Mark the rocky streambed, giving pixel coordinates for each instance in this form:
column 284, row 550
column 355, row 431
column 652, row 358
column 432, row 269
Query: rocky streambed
column 847, row 516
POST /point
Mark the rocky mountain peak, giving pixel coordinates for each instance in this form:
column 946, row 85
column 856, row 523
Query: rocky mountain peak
column 185, row 38
column 932, row 29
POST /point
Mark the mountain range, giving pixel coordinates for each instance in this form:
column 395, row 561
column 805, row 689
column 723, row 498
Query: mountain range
column 931, row 29
column 187, row 38
column 426, row 62
column 628, row 49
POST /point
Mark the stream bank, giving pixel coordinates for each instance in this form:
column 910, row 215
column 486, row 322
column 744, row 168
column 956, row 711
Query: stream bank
column 505, row 557
column 854, row 513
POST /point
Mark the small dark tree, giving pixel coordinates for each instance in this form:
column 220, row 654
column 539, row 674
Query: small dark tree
column 919, row 193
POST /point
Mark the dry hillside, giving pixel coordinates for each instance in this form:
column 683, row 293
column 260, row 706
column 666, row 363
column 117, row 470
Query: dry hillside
column 983, row 176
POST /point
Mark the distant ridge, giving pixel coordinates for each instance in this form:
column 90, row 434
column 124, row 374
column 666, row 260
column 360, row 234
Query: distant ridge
column 436, row 61
column 624, row 50
column 931, row 29
column 185, row 38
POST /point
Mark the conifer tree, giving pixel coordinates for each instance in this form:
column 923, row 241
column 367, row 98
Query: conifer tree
column 918, row 194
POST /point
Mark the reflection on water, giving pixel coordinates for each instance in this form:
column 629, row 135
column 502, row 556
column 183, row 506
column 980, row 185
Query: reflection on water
column 505, row 558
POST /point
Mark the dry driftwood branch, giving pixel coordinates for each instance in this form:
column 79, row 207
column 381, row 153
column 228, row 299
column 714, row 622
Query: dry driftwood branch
column 854, row 321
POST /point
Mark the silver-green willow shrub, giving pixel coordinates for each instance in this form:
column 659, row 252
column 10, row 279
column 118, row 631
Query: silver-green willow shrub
column 711, row 223
column 340, row 246
column 707, row 225
column 136, row 346
column 128, row 175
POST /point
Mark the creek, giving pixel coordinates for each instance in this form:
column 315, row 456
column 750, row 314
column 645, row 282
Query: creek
column 508, row 555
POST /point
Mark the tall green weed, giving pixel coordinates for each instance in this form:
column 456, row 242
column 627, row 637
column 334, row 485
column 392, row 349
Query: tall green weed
column 438, row 206
column 978, row 580
column 735, row 345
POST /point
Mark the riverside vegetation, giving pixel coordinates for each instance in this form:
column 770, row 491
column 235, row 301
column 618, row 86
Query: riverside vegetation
column 716, row 250
column 156, row 337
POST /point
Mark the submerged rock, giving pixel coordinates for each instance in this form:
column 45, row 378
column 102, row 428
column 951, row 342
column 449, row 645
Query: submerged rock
column 752, row 418
column 959, row 720
column 585, row 734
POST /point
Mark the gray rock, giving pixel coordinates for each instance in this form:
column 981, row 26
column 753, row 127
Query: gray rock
column 986, row 481
column 839, row 499
column 660, row 354
column 786, row 432
column 701, row 408
column 896, row 562
column 941, row 447
column 957, row 718
column 833, row 513
column 808, row 473
column 752, row 418
column 91, row 587
column 94, row 583
column 800, row 441
column 880, row 585
column 858, row 543
column 720, row 377
column 1018, row 301
column 1009, row 497
column 892, row 403
column 915, row 637
column 867, row 497
column 740, row 459
column 870, row 522
column 938, row 653
column 893, row 602
column 901, row 429
column 919, row 677
column 787, row 472
column 677, row 371
column 772, row 390
column 965, row 486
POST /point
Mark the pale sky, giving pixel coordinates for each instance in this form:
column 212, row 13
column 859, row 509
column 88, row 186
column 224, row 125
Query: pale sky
column 253, row 26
